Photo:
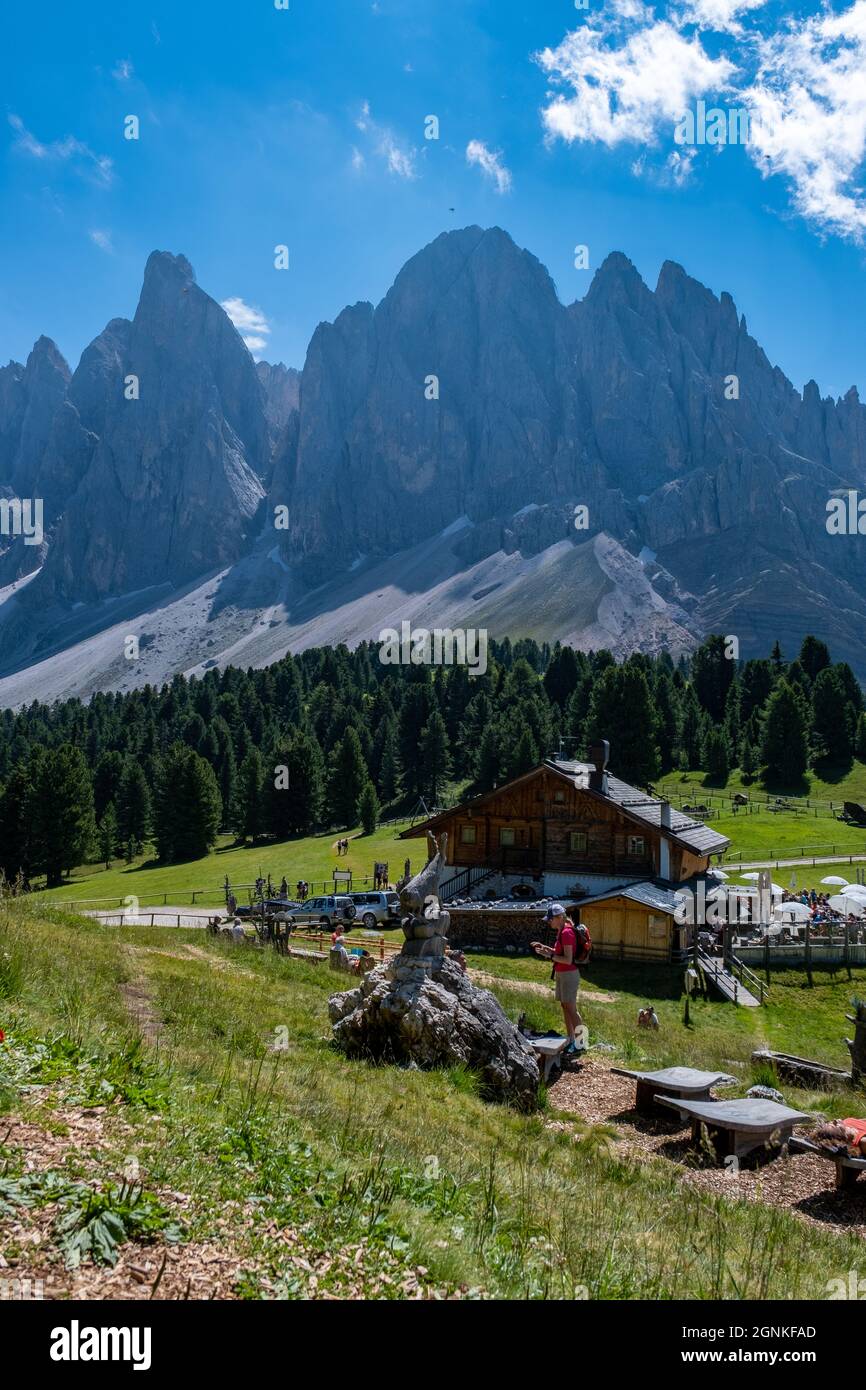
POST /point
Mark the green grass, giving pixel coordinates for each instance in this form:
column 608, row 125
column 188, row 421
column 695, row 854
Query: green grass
column 243, row 1105
column 311, row 857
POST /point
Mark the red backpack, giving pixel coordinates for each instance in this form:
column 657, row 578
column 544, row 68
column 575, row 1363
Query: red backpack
column 582, row 943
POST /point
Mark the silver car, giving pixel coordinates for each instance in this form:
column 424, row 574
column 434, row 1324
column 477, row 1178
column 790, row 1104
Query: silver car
column 377, row 909
column 324, row 911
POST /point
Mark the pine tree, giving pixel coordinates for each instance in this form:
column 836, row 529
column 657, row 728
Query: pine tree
column 712, row 674
column 831, row 730
column 187, row 808
column 248, row 819
column 859, row 744
column 348, row 775
column 433, row 757
column 388, row 770
column 669, row 716
column 60, row 811
column 489, row 760
column 716, row 756
column 133, row 806
column 785, row 738
column 368, row 808
column 814, row 656
column 293, row 802
column 106, row 835
column 622, row 711
column 748, row 759
column 16, row 849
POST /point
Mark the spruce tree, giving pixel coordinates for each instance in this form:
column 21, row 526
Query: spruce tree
column 60, row 811
column 831, row 729
column 433, row 757
column 133, row 806
column 348, row 775
column 785, row 736
column 860, row 739
column 368, row 808
column 16, row 848
column 106, row 835
column 622, row 711
column 248, row 819
column 187, row 806
column 296, row 808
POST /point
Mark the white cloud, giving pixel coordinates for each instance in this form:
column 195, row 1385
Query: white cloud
column 123, row 71
column 250, row 322
column 627, row 76
column 808, row 100
column 719, row 15
column 398, row 157
column 490, row 163
column 358, row 160
column 68, row 150
column 102, row 239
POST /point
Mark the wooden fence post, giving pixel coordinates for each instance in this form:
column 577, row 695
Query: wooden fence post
column 809, row 953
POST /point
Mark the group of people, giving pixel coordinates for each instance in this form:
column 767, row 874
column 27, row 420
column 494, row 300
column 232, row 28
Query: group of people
column 342, row 847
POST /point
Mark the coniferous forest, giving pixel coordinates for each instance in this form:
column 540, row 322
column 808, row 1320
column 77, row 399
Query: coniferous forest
column 332, row 737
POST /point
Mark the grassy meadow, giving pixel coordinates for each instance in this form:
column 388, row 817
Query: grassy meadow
column 212, row 1066
column 312, row 857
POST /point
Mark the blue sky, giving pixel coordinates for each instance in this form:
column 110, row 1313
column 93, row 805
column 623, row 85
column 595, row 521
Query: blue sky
column 261, row 126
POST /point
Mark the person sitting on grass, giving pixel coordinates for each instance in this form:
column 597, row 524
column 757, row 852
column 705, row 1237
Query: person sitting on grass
column 565, row 973
column 648, row 1018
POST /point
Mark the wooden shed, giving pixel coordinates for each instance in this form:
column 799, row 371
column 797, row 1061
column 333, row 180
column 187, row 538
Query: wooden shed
column 635, row 922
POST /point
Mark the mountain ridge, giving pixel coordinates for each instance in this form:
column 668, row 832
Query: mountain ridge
column 470, row 390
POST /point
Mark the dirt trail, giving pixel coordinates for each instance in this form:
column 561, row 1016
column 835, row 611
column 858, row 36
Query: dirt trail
column 481, row 977
column 139, row 1005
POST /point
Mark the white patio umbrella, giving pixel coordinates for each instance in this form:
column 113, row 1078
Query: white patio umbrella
column 750, row 878
column 833, row 881
column 797, row 912
column 718, row 873
column 844, row 902
column 855, row 890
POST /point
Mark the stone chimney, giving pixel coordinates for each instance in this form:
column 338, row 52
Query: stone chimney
column 598, row 756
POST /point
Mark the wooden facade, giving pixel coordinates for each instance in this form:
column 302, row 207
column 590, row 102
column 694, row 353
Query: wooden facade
column 542, row 822
column 625, row 930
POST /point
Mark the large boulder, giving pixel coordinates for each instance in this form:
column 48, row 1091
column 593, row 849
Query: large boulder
column 434, row 1015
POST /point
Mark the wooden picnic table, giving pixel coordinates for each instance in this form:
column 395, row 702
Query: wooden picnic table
column 738, row 1127
column 848, row 1169
column 682, row 1082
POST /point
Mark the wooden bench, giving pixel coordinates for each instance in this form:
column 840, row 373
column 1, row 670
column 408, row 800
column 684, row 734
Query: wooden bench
column 848, row 1169
column 676, row 1082
column 738, row 1127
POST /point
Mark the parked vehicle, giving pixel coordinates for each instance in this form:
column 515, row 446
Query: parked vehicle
column 377, row 909
column 273, row 907
column 325, row 911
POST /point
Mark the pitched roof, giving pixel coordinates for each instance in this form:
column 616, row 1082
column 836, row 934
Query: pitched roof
column 641, row 805
column 637, row 805
column 649, row 894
